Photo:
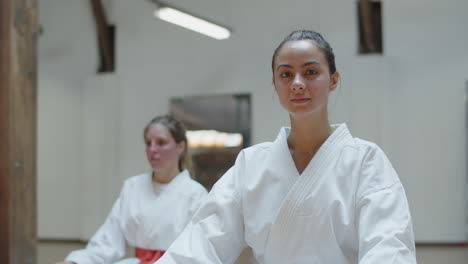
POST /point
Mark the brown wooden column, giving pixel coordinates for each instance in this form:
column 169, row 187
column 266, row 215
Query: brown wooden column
column 18, row 87
column 366, row 15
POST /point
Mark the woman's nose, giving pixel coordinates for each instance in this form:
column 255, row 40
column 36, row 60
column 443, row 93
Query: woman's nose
column 153, row 147
column 298, row 83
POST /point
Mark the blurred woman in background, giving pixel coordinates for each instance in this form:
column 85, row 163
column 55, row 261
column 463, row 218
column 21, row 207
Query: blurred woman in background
column 153, row 208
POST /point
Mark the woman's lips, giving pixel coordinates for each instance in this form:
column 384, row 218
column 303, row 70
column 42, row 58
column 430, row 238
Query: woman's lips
column 300, row 100
column 155, row 159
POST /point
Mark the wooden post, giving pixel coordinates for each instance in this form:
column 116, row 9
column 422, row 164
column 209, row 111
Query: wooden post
column 366, row 14
column 104, row 39
column 18, row 81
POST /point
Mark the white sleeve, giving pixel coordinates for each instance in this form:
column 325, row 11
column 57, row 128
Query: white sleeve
column 383, row 216
column 215, row 235
column 107, row 244
column 197, row 200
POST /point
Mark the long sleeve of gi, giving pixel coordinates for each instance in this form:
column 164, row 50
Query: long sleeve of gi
column 106, row 245
column 383, row 217
column 215, row 235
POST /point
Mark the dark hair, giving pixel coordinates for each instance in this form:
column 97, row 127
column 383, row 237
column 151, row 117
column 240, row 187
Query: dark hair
column 177, row 130
column 321, row 43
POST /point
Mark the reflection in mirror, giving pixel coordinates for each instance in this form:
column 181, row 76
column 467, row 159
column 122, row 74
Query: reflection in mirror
column 218, row 127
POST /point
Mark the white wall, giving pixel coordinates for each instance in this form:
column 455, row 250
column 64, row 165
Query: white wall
column 427, row 70
column 408, row 100
column 67, row 54
column 101, row 149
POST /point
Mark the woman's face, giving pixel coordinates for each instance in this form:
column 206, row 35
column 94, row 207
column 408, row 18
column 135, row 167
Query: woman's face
column 161, row 149
column 302, row 77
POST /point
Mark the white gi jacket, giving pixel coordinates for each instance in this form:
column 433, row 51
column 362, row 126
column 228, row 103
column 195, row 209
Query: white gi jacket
column 348, row 206
column 146, row 215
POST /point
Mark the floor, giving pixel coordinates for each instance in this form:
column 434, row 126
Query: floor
column 51, row 252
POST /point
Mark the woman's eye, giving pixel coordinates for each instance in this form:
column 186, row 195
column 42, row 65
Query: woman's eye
column 285, row 74
column 311, row 72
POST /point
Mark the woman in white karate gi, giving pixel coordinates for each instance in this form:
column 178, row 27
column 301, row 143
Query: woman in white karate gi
column 153, row 208
column 314, row 195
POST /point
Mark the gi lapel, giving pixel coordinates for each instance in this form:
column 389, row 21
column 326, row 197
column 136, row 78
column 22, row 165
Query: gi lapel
column 277, row 244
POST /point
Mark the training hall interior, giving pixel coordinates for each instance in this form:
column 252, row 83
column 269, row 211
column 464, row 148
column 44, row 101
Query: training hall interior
column 80, row 79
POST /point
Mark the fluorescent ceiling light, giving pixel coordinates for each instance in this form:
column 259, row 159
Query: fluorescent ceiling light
column 196, row 24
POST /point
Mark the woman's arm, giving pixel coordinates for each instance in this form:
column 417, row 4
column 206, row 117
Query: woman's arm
column 383, row 216
column 107, row 244
column 215, row 235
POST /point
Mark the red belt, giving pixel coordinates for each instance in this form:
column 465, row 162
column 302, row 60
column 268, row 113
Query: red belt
column 148, row 256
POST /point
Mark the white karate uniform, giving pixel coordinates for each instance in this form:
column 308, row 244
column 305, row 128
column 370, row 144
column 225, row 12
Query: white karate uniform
column 146, row 215
column 348, row 206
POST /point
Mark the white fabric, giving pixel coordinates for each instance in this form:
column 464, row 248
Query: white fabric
column 348, row 206
column 128, row 261
column 146, row 215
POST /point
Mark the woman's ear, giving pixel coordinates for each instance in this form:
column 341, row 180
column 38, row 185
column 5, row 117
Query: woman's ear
column 181, row 147
column 335, row 78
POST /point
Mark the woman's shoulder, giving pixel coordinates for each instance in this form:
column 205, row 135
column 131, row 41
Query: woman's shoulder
column 369, row 150
column 259, row 147
column 187, row 186
column 376, row 170
column 138, row 179
column 196, row 186
column 342, row 137
column 256, row 151
column 363, row 145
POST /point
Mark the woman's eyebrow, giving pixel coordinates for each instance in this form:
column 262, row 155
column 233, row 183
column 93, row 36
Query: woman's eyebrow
column 310, row 63
column 284, row 65
column 303, row 65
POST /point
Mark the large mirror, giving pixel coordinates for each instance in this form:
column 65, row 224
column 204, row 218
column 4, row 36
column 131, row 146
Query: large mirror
column 218, row 128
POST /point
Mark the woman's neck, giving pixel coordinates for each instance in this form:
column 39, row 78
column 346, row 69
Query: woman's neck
column 307, row 135
column 165, row 176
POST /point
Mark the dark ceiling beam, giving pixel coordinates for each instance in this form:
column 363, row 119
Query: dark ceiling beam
column 104, row 38
column 367, row 25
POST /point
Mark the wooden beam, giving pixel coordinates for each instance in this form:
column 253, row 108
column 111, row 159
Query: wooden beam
column 5, row 18
column 367, row 25
column 104, row 37
column 18, row 81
